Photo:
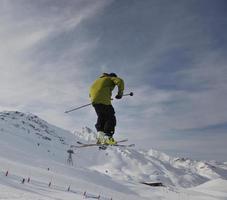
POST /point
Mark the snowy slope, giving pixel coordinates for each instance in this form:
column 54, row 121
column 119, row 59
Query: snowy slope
column 151, row 166
column 32, row 148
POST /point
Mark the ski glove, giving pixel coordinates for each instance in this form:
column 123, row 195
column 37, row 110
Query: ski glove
column 118, row 96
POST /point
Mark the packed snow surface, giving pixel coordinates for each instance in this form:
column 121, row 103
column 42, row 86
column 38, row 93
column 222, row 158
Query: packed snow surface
column 34, row 165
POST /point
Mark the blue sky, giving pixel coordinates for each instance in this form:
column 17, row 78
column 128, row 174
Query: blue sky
column 171, row 54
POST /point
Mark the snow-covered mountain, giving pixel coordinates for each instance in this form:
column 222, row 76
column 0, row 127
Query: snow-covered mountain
column 32, row 148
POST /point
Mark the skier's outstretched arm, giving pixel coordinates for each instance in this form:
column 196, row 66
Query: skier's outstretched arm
column 120, row 84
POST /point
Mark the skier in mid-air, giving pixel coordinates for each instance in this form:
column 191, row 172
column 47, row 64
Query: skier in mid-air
column 100, row 95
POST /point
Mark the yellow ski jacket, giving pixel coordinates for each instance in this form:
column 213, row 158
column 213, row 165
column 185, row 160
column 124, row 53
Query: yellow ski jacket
column 101, row 89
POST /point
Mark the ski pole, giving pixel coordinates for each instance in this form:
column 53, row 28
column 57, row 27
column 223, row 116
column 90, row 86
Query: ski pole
column 129, row 94
column 68, row 111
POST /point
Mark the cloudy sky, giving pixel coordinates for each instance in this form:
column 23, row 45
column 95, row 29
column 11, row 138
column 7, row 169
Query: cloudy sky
column 171, row 53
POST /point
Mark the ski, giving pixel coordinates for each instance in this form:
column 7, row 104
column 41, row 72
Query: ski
column 82, row 143
column 102, row 146
column 105, row 146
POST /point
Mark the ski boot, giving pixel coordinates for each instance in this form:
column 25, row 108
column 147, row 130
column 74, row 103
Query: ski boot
column 109, row 140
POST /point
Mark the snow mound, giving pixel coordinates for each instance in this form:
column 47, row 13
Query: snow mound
column 216, row 184
column 154, row 166
column 87, row 134
column 216, row 187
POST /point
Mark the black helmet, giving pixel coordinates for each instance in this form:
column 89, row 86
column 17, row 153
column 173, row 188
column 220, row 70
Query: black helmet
column 105, row 74
column 113, row 75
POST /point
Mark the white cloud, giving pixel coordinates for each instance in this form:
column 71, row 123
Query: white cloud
column 45, row 86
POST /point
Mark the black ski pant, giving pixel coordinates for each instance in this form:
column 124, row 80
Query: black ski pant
column 106, row 121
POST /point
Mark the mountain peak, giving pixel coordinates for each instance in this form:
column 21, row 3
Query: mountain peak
column 24, row 124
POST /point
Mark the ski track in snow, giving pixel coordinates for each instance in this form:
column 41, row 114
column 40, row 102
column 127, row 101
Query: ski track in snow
column 32, row 148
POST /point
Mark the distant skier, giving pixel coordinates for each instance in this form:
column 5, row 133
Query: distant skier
column 100, row 94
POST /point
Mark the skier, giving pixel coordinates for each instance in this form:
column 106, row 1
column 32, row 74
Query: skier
column 100, row 95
